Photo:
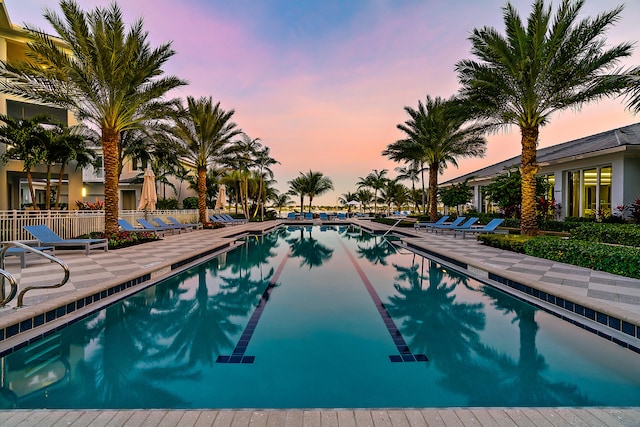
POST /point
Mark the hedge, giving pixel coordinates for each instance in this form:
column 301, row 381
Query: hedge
column 622, row 260
column 619, row 234
column 509, row 242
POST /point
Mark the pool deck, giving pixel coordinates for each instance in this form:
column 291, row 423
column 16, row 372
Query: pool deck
column 614, row 295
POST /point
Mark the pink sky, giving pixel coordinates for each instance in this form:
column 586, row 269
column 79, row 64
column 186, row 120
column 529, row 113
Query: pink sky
column 323, row 83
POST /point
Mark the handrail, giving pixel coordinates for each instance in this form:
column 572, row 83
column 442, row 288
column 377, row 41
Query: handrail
column 14, row 287
column 34, row 250
column 393, row 226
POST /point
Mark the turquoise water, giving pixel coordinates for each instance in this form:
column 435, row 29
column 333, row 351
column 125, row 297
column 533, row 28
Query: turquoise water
column 316, row 317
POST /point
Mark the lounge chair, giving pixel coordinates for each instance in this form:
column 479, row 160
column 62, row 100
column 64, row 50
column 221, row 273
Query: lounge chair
column 232, row 219
column 489, row 228
column 456, row 223
column 47, row 237
column 324, row 216
column 464, row 226
column 174, row 221
column 342, row 215
column 148, row 226
column 178, row 227
column 291, row 216
column 19, row 252
column 308, row 216
column 221, row 220
column 441, row 221
column 126, row 226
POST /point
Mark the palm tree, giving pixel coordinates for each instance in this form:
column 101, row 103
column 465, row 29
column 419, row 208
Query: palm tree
column 412, row 172
column 297, row 187
column 546, row 65
column 347, row 197
column 111, row 77
column 364, row 196
column 263, row 162
column 315, row 184
column 26, row 141
column 435, row 136
column 281, row 201
column 376, row 180
column 205, row 129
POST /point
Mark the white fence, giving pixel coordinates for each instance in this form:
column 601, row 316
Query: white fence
column 70, row 224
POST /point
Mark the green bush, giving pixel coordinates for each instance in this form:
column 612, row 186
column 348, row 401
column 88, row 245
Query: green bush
column 597, row 256
column 122, row 239
column 190, row 203
column 620, row 234
column 167, row 204
column 510, row 242
column 391, row 221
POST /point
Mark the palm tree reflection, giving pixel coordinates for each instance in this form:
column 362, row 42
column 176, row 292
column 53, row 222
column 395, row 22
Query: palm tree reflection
column 311, row 252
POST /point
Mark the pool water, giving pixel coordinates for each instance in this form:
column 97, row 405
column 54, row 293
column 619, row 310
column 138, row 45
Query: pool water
column 320, row 317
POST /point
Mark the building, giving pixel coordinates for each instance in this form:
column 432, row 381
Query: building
column 590, row 176
column 14, row 192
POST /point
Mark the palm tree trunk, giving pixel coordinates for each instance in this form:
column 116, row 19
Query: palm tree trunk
column 47, row 192
column 31, row 190
column 424, row 204
column 60, row 176
column 202, row 194
column 528, row 170
column 110, row 142
column 433, row 193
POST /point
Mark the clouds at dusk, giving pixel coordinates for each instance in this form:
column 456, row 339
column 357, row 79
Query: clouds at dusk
column 324, row 83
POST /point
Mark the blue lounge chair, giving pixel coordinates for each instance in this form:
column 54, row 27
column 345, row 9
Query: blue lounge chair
column 456, row 223
column 232, row 219
column 489, row 228
column 441, row 221
column 464, row 226
column 324, row 216
column 308, row 216
column 221, row 220
column 21, row 253
column 342, row 215
column 150, row 227
column 47, row 237
column 126, row 226
column 178, row 227
column 291, row 216
column 174, row 221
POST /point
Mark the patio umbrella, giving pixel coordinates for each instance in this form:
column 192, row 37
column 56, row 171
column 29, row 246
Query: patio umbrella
column 221, row 201
column 353, row 203
column 148, row 197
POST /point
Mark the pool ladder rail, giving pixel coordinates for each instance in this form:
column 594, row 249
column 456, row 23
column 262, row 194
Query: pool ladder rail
column 6, row 299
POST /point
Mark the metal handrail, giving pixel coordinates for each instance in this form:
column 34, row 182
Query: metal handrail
column 14, row 287
column 393, row 226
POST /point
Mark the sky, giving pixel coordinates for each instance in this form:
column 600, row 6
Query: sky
column 324, row 83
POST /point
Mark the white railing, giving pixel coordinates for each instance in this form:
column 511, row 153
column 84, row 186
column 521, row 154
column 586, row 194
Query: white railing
column 70, row 224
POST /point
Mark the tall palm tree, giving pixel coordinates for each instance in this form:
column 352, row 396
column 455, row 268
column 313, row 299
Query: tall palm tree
column 205, row 129
column 550, row 63
column 412, row 172
column 263, row 162
column 436, row 135
column 112, row 78
column 315, row 184
column 376, row 180
column 281, row 201
column 297, row 187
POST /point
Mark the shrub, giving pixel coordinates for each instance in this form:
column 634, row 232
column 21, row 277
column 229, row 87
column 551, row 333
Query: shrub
column 597, row 256
column 510, row 242
column 167, row 204
column 391, row 221
column 190, row 203
column 621, row 234
column 122, row 239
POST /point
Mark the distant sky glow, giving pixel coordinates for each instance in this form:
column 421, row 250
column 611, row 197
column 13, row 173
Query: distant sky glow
column 324, row 83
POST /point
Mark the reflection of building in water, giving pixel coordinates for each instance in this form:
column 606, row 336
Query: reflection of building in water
column 222, row 260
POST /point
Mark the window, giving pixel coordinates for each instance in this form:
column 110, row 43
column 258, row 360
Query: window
column 24, row 110
column 589, row 192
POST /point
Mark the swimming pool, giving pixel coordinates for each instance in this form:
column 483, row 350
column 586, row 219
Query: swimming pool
column 320, row 317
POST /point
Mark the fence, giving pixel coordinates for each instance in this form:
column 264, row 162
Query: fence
column 70, row 224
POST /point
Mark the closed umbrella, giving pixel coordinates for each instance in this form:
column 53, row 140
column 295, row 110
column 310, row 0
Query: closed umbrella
column 221, row 202
column 148, row 197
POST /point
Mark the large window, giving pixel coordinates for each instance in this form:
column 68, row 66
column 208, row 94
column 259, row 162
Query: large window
column 589, row 192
